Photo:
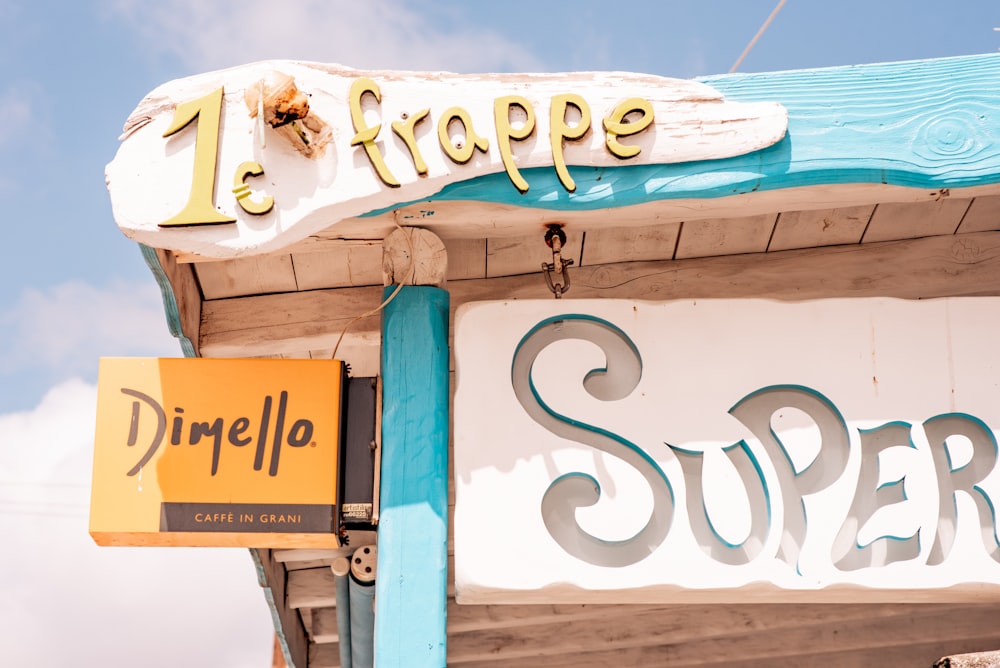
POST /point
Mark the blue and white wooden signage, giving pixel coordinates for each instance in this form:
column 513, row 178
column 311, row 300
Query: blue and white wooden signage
column 258, row 158
column 727, row 450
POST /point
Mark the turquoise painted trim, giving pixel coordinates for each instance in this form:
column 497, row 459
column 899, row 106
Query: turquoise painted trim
column 412, row 581
column 922, row 124
column 169, row 300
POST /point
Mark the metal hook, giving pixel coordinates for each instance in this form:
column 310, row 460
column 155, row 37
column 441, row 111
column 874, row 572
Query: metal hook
column 555, row 274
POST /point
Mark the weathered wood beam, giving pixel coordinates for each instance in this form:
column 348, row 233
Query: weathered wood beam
column 721, row 634
column 324, row 655
column 967, row 264
column 311, row 588
column 181, row 297
column 917, row 655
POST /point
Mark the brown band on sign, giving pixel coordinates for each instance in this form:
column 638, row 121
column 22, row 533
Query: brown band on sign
column 248, row 517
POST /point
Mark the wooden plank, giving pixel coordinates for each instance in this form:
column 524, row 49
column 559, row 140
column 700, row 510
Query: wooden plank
column 255, row 275
column 466, row 258
column 411, row 587
column 823, row 227
column 181, row 297
column 966, row 264
column 244, row 326
column 470, row 618
column 301, row 565
column 725, row 236
column 915, row 655
column 707, row 634
column 462, row 219
column 324, row 625
column 287, row 556
column 983, row 215
column 324, row 655
column 349, row 264
column 630, row 244
column 910, row 221
column 291, row 631
column 311, row 588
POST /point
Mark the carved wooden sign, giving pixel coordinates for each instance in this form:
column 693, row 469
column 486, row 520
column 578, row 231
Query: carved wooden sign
column 736, row 450
column 254, row 158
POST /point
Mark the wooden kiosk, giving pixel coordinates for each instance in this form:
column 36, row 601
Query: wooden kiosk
column 298, row 210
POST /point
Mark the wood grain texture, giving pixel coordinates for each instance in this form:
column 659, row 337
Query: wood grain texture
column 255, row 275
column 948, row 266
column 324, row 625
column 466, row 258
column 910, row 221
column 725, row 236
column 324, row 655
column 249, row 326
column 459, row 219
column 631, row 244
column 350, row 263
column 181, row 297
column 983, row 215
column 825, row 227
column 414, row 256
column 291, row 556
column 311, row 588
column 726, row 635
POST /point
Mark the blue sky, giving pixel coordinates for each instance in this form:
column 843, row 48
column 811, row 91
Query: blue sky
column 74, row 288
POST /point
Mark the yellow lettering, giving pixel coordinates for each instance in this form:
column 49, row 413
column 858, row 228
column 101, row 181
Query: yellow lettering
column 366, row 135
column 406, row 130
column 199, row 209
column 199, row 517
column 560, row 130
column 460, row 153
column 506, row 132
column 242, row 190
column 616, row 126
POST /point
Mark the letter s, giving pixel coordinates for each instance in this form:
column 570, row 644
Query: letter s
column 573, row 490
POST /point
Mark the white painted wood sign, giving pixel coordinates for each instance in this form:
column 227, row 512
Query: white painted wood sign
column 727, row 450
column 251, row 159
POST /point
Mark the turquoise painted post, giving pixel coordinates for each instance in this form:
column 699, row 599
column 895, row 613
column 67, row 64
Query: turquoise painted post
column 411, row 587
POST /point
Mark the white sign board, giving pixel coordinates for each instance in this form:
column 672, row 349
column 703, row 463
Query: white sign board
column 251, row 159
column 727, row 450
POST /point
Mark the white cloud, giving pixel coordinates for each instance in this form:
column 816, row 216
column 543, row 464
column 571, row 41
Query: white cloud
column 17, row 107
column 68, row 602
column 67, row 327
column 383, row 34
column 26, row 130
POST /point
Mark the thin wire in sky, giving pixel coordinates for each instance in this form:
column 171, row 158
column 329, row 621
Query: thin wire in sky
column 774, row 12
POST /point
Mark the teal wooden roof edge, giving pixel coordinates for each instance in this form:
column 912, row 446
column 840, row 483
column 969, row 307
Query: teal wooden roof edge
column 919, row 124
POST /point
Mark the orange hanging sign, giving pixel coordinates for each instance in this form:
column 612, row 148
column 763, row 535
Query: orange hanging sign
column 217, row 452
